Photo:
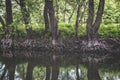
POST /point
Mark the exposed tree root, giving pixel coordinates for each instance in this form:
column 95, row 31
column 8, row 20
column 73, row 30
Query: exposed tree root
column 70, row 45
column 95, row 45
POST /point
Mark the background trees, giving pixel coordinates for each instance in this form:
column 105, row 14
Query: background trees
column 66, row 16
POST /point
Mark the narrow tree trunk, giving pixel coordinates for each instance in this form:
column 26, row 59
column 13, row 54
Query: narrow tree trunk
column 57, row 10
column 98, row 20
column 3, row 24
column 69, row 19
column 90, row 19
column 77, row 21
column 46, row 17
column 9, row 17
column 64, row 13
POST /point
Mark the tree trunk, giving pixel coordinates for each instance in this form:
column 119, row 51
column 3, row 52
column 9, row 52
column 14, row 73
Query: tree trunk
column 46, row 16
column 98, row 20
column 92, row 28
column 90, row 19
column 64, row 13
column 77, row 21
column 53, row 22
column 9, row 17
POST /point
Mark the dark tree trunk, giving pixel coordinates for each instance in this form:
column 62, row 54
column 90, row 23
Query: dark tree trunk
column 77, row 21
column 26, row 16
column 64, row 13
column 9, row 17
column 53, row 22
column 90, row 19
column 46, row 16
column 92, row 28
column 77, row 72
column 98, row 20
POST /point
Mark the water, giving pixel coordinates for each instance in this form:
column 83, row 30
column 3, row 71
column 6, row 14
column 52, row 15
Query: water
column 36, row 65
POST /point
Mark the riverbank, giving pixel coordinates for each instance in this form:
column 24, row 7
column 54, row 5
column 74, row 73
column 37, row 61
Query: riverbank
column 105, row 45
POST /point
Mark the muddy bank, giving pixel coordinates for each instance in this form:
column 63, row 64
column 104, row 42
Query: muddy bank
column 69, row 45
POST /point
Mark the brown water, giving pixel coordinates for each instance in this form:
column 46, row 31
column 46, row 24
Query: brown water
column 36, row 65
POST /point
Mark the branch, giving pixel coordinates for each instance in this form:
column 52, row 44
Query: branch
column 17, row 2
column 2, row 22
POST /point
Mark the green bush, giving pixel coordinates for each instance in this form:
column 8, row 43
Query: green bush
column 67, row 31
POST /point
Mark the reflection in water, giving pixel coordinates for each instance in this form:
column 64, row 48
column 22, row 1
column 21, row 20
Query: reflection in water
column 93, row 73
column 55, row 67
column 30, row 67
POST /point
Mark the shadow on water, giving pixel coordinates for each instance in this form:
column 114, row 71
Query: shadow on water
column 33, row 65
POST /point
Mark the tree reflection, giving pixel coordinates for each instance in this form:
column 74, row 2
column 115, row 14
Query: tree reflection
column 30, row 67
column 10, row 65
column 48, row 71
column 93, row 73
column 55, row 68
column 52, row 72
column 4, row 72
column 77, row 72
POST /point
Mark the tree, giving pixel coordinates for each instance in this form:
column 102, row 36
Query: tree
column 9, row 17
column 93, row 25
column 25, row 15
column 49, row 15
column 79, row 15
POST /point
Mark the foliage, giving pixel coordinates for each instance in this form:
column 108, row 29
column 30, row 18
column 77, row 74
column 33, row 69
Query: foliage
column 67, row 31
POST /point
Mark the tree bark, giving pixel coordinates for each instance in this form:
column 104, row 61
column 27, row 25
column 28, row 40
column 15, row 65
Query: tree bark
column 46, row 16
column 53, row 22
column 9, row 17
column 90, row 19
column 64, row 13
column 98, row 20
column 92, row 28
column 77, row 21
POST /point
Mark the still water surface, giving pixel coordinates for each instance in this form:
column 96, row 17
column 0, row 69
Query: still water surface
column 33, row 65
